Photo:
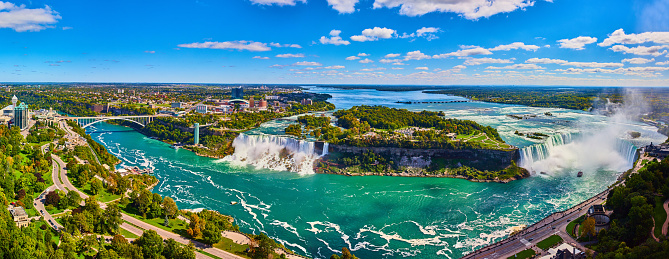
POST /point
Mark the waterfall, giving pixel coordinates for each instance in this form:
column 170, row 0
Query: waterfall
column 275, row 153
column 326, row 146
column 588, row 153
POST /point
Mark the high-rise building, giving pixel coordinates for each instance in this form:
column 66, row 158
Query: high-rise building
column 252, row 103
column 237, row 93
column 21, row 116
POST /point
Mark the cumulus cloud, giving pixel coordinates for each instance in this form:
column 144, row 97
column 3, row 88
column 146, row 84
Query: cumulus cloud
column 392, row 55
column 150, row 51
column 641, row 50
column 415, row 55
column 343, row 6
column 662, row 63
column 479, row 61
column 277, row 2
column 238, row 45
column 278, row 45
column 335, row 67
column 459, row 67
column 308, row 63
column 290, row 56
column 260, row 57
column 545, row 61
column 637, row 60
column 365, row 61
column 619, row 37
column 21, row 19
column 577, row 43
column 574, row 64
column 516, row 45
column 363, row 55
column 517, row 66
column 470, row 9
column 426, row 32
column 352, row 58
column 386, row 60
column 374, row 34
column 422, row 68
column 334, row 39
column 467, row 51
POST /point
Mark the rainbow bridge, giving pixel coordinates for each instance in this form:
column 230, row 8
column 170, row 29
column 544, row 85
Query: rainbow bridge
column 141, row 120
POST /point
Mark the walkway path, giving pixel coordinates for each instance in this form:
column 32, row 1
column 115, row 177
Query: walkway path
column 666, row 222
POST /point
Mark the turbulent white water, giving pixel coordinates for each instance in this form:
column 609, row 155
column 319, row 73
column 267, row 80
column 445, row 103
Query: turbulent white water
column 564, row 152
column 275, row 153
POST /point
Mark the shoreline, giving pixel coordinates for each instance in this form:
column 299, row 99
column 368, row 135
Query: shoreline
column 424, row 175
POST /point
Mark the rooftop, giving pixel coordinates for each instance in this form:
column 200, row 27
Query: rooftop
column 18, row 212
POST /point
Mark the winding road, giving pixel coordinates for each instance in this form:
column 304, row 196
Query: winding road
column 666, row 222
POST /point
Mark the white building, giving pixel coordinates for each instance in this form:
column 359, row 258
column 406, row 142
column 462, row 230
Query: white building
column 201, row 108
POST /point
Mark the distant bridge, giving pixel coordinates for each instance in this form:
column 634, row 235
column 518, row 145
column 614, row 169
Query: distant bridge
column 141, row 120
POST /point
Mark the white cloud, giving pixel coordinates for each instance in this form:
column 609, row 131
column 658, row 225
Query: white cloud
column 637, row 60
column 238, row 45
column 150, row 51
column 260, row 57
column 392, row 55
column 334, row 39
column 352, row 58
column 290, row 56
column 335, row 67
column 662, row 63
column 343, row 6
column 373, row 69
column 641, row 50
column 470, row 9
column 577, row 43
column 427, row 32
column 397, row 68
column 516, row 45
column 468, row 51
column 619, row 37
column 385, row 60
column 365, row 61
column 308, row 63
column 592, row 64
column 21, row 19
column 479, row 61
column 459, row 67
column 545, row 61
column 416, row 55
column 363, row 55
column 399, row 64
column 575, row 64
column 374, row 34
column 277, row 2
column 279, row 45
column 518, row 66
column 421, row 68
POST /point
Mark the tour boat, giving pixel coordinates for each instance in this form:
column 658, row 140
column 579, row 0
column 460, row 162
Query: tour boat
column 580, row 173
column 233, row 202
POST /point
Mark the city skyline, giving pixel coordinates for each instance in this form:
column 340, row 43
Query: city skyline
column 514, row 42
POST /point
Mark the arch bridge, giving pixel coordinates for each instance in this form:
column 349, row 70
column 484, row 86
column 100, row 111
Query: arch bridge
column 141, row 120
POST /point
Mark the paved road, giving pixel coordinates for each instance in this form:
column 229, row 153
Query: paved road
column 39, row 205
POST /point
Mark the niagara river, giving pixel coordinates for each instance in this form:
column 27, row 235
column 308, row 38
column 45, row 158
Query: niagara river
column 391, row 217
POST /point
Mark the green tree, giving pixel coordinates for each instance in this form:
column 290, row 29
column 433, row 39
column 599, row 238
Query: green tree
column 211, row 234
column 151, row 244
column 96, row 186
column 170, row 207
column 588, row 227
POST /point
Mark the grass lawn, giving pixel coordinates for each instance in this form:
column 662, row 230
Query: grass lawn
column 659, row 215
column 176, row 225
column 127, row 234
column 103, row 196
column 228, row 245
column 523, row 254
column 572, row 225
column 207, row 254
column 549, row 242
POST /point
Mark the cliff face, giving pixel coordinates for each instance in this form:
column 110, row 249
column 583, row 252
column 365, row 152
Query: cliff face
column 482, row 159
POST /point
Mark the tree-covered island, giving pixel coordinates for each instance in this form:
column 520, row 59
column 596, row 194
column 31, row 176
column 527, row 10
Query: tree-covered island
column 377, row 140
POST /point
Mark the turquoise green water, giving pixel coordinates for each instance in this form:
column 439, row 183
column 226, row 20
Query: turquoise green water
column 376, row 217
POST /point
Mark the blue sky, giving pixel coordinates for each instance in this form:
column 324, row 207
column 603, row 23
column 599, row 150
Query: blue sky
column 432, row 42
